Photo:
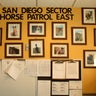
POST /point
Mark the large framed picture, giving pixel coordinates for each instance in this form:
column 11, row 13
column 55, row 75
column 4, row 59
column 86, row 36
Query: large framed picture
column 36, row 47
column 79, row 35
column 0, row 36
column 13, row 50
column 59, row 50
column 89, row 58
column 94, row 36
column 36, row 28
column 13, row 30
column 59, row 30
column 89, row 16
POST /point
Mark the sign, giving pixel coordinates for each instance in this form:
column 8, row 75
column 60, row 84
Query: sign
column 36, row 13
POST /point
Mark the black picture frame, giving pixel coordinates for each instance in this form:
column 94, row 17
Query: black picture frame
column 88, row 16
column 59, row 50
column 79, row 35
column 13, row 50
column 13, row 30
column 89, row 58
column 59, row 30
column 36, row 48
column 36, row 29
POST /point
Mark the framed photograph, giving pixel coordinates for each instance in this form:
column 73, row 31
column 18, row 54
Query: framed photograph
column 59, row 30
column 94, row 36
column 89, row 58
column 78, row 35
column 13, row 30
column 59, row 50
column 36, row 48
column 0, row 36
column 36, row 28
column 13, row 50
column 89, row 16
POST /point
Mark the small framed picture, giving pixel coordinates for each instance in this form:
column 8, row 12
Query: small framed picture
column 13, row 50
column 94, row 36
column 89, row 58
column 36, row 28
column 89, row 16
column 36, row 48
column 59, row 50
column 79, row 35
column 59, row 30
column 0, row 36
column 13, row 30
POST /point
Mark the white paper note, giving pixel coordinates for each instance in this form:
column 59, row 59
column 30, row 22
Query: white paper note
column 44, row 87
column 75, row 84
column 75, row 93
column 59, row 88
column 44, row 68
column 72, row 70
column 5, row 64
column 38, row 67
column 31, row 67
column 15, row 69
column 58, row 70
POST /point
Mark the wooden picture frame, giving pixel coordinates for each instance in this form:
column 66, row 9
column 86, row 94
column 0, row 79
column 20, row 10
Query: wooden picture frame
column 36, row 29
column 13, row 50
column 59, row 30
column 0, row 36
column 59, row 50
column 89, row 16
column 79, row 35
column 36, row 47
column 13, row 30
column 89, row 58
